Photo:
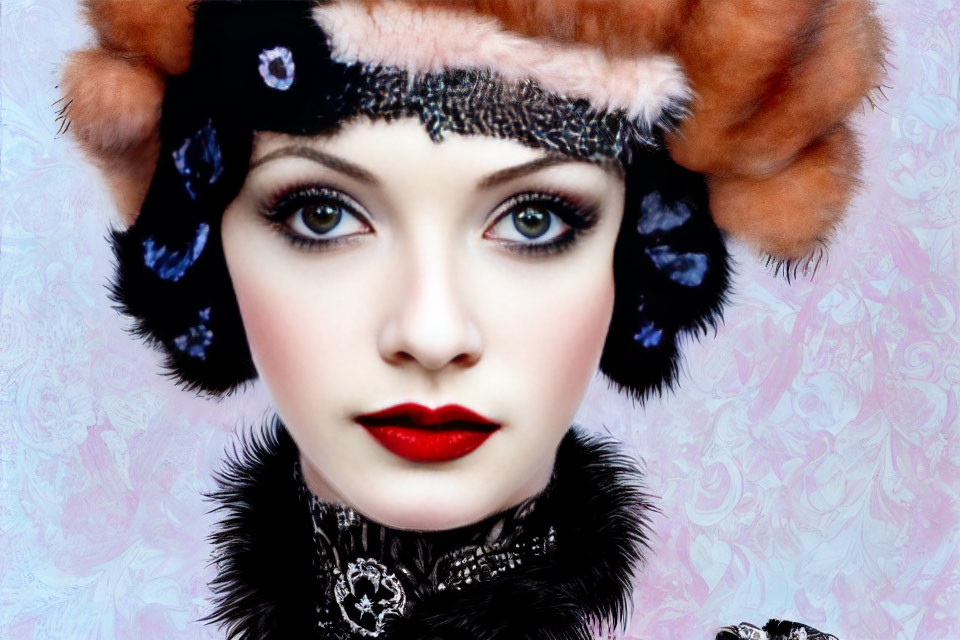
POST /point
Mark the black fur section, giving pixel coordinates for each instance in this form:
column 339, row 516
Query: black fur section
column 262, row 544
column 164, row 310
column 648, row 301
column 595, row 500
column 224, row 90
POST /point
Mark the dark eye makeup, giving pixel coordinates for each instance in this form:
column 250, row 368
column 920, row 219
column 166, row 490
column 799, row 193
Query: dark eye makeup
column 542, row 214
column 540, row 223
column 303, row 214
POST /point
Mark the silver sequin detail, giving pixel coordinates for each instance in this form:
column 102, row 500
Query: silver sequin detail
column 747, row 631
column 480, row 102
column 484, row 562
column 352, row 550
column 368, row 593
column 277, row 68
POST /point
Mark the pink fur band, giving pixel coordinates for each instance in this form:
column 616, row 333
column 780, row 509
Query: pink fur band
column 423, row 40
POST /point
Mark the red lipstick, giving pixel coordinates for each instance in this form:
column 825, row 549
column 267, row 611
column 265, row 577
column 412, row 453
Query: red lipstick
column 418, row 433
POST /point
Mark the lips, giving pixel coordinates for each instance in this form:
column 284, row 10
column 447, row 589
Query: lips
column 418, row 433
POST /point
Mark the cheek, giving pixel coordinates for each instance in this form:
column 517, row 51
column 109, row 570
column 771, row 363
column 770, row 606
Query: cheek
column 579, row 332
column 294, row 319
column 304, row 338
column 558, row 335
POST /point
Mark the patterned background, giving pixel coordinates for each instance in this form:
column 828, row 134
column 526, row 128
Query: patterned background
column 807, row 469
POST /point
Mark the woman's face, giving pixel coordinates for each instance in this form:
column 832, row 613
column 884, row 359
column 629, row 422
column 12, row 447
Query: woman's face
column 376, row 268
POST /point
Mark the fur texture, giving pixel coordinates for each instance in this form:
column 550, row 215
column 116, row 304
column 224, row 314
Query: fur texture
column 670, row 264
column 429, row 39
column 617, row 27
column 114, row 113
column 160, row 31
column 595, row 501
column 791, row 212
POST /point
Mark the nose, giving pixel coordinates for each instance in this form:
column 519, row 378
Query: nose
column 429, row 322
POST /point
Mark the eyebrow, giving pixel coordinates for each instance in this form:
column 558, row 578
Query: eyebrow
column 520, row 170
column 333, row 162
column 359, row 173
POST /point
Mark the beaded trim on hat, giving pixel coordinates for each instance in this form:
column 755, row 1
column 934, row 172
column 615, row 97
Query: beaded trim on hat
column 473, row 101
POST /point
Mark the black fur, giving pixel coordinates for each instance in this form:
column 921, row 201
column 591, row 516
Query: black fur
column 595, row 500
column 223, row 88
column 645, row 295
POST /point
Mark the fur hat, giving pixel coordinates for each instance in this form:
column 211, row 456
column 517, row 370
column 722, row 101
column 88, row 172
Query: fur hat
column 771, row 85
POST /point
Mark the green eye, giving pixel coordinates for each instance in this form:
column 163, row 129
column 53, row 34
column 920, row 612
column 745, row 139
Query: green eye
column 317, row 217
column 537, row 223
column 321, row 219
column 532, row 222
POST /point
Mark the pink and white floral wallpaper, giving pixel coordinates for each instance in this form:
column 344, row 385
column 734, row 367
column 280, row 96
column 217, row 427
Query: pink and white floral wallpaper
column 808, row 467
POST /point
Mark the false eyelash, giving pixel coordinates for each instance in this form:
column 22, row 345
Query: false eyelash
column 581, row 218
column 277, row 209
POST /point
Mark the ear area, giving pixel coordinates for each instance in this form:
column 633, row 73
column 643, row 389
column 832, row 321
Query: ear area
column 112, row 108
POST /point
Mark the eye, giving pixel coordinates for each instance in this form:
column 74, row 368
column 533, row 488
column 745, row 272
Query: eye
column 540, row 222
column 317, row 216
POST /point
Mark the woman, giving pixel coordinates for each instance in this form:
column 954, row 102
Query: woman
column 424, row 225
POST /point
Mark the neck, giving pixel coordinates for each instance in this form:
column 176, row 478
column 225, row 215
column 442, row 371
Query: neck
column 324, row 491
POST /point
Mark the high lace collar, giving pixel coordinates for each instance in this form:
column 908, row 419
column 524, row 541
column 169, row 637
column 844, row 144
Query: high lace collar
column 555, row 566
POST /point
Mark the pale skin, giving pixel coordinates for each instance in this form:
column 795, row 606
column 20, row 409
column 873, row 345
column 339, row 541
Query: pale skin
column 426, row 298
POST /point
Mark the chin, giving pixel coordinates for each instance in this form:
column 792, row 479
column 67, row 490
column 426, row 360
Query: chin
column 430, row 510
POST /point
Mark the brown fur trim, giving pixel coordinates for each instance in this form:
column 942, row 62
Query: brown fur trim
column 113, row 110
column 761, row 102
column 129, row 173
column 113, row 103
column 160, row 30
column 774, row 83
column 789, row 214
column 618, row 27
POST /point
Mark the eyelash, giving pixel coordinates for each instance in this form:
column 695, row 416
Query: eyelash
column 579, row 217
column 284, row 204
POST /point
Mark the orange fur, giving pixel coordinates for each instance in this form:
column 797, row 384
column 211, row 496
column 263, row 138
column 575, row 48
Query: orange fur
column 160, row 30
column 618, row 27
column 114, row 103
column 114, row 113
column 790, row 213
column 790, row 90
column 129, row 173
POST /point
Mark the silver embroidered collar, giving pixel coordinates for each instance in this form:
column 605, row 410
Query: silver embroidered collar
column 369, row 572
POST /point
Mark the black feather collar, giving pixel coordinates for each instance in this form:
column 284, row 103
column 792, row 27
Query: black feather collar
column 290, row 566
